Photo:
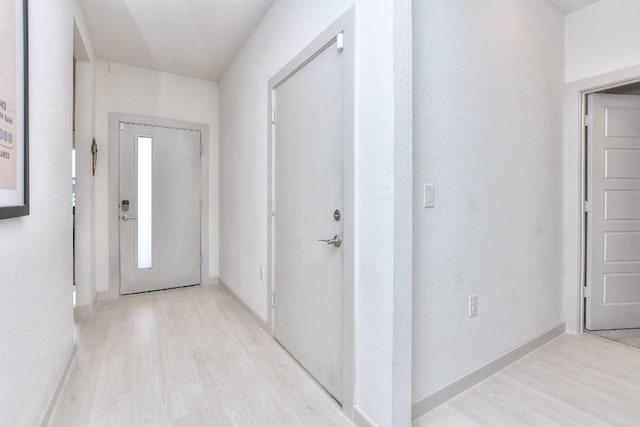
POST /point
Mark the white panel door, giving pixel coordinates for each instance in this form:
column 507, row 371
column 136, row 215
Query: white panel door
column 159, row 208
column 309, row 197
column 613, row 225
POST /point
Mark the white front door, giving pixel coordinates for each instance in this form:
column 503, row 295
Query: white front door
column 613, row 225
column 309, row 200
column 159, row 208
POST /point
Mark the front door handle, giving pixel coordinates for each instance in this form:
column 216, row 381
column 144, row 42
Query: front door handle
column 335, row 241
column 126, row 217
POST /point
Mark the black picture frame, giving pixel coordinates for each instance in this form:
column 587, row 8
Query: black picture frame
column 21, row 209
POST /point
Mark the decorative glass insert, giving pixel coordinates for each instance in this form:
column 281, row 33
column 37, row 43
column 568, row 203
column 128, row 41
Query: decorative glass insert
column 145, row 201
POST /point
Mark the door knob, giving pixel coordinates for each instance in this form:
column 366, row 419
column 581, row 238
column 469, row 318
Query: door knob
column 335, row 241
column 126, row 217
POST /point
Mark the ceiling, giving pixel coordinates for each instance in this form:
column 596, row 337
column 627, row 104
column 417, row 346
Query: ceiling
column 568, row 6
column 196, row 38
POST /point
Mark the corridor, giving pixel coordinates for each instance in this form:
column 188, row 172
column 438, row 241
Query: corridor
column 186, row 357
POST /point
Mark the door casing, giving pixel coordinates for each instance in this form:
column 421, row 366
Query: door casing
column 582, row 89
column 114, row 187
column 345, row 25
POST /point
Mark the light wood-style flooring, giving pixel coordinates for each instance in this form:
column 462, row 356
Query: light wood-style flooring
column 581, row 381
column 192, row 357
column 188, row 357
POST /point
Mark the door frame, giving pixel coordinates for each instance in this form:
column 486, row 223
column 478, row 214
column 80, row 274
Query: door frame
column 345, row 25
column 115, row 119
column 574, row 130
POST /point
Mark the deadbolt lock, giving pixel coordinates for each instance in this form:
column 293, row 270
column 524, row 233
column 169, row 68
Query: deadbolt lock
column 337, row 215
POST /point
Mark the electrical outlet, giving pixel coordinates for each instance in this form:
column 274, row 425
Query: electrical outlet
column 473, row 305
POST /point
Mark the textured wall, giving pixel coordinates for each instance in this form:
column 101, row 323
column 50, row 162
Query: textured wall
column 487, row 133
column 131, row 90
column 601, row 38
column 36, row 311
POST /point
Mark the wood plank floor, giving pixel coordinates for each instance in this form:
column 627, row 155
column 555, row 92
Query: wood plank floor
column 572, row 381
column 192, row 357
column 188, row 357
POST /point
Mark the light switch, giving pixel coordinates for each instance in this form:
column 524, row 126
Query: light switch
column 429, row 195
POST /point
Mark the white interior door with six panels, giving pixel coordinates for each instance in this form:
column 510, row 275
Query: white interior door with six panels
column 613, row 225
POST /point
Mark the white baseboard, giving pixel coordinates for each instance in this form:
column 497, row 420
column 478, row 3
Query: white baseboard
column 63, row 379
column 213, row 281
column 244, row 307
column 84, row 310
column 428, row 403
column 359, row 419
column 105, row 295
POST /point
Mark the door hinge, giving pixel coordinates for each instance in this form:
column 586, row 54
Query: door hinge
column 273, row 208
column 121, row 126
column 587, row 120
column 200, row 259
column 587, row 206
column 340, row 42
column 273, row 299
column 587, row 291
column 200, row 147
column 273, row 116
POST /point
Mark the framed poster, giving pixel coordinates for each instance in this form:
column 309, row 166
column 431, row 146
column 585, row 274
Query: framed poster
column 14, row 110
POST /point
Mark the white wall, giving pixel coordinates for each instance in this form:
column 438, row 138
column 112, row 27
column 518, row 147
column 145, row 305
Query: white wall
column 487, row 133
column 285, row 30
column 85, row 277
column 132, row 90
column 601, row 38
column 36, row 317
column 85, row 195
column 403, row 214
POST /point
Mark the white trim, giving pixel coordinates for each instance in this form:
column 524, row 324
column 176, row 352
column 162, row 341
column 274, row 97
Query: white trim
column 574, row 186
column 107, row 295
column 467, row 381
column 114, row 164
column 83, row 310
column 344, row 24
column 359, row 419
column 213, row 281
column 87, row 309
column 56, row 395
column 263, row 325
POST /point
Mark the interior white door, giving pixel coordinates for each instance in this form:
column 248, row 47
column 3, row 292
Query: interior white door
column 613, row 225
column 159, row 208
column 309, row 198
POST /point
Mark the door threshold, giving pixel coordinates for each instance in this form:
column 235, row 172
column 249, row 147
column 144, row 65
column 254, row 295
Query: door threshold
column 160, row 290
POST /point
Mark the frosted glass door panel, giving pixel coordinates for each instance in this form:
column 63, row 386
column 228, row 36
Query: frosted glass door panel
column 145, row 202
